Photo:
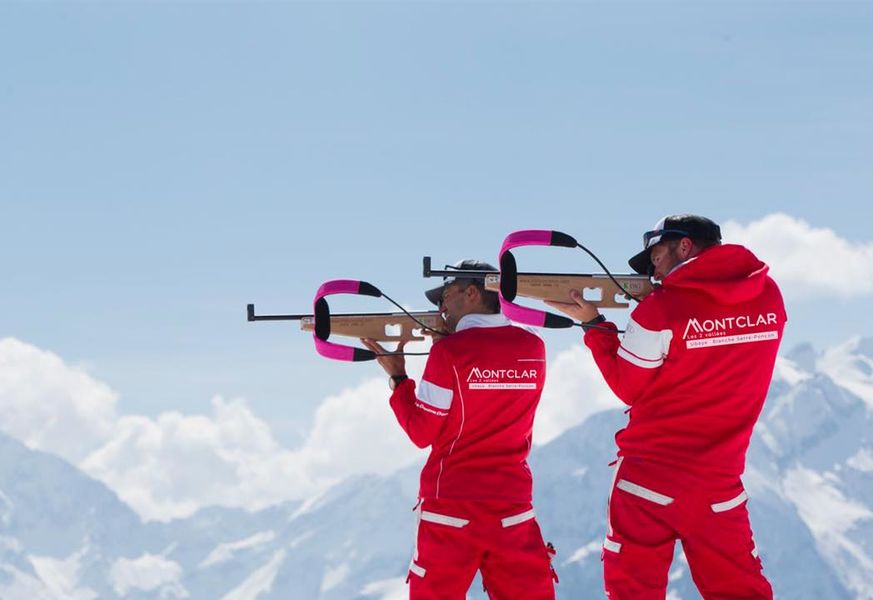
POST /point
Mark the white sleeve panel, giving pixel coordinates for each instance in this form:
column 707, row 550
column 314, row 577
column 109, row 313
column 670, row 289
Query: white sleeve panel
column 643, row 347
column 434, row 395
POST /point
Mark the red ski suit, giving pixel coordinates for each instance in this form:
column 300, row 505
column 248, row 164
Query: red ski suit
column 694, row 366
column 475, row 409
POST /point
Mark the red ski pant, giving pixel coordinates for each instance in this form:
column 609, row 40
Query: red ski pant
column 652, row 506
column 456, row 538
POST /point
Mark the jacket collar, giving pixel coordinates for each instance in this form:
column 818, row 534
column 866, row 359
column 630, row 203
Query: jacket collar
column 481, row 320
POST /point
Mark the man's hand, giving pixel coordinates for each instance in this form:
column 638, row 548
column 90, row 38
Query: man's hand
column 435, row 335
column 394, row 363
column 579, row 309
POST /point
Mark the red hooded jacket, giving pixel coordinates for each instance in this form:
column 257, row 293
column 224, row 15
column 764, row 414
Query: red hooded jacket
column 475, row 407
column 695, row 362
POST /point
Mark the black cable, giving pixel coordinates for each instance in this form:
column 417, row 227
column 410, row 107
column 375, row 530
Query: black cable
column 407, row 313
column 423, row 326
column 608, row 274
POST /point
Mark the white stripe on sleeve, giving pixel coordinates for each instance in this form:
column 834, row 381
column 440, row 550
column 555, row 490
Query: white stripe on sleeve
column 434, row 395
column 643, row 347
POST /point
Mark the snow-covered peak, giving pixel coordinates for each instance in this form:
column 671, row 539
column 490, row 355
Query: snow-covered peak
column 790, row 372
column 850, row 365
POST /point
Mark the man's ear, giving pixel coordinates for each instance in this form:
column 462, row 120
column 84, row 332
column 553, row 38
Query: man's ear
column 686, row 248
column 474, row 295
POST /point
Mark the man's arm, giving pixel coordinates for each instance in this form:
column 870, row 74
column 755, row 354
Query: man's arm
column 420, row 410
column 421, row 419
column 630, row 364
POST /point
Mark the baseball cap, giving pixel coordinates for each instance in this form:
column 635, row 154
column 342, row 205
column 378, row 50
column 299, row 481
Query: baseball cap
column 435, row 295
column 673, row 228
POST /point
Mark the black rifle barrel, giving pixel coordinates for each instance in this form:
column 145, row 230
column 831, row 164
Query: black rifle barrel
column 464, row 273
column 250, row 311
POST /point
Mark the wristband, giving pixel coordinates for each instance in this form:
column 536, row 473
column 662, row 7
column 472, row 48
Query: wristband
column 396, row 380
column 596, row 320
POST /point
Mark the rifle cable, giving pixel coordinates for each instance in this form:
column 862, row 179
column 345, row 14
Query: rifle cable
column 608, row 273
column 411, row 316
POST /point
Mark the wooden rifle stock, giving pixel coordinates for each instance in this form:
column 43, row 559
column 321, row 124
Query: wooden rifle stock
column 557, row 287
column 383, row 327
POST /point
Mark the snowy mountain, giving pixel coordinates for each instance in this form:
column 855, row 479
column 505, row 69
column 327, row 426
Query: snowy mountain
column 64, row 535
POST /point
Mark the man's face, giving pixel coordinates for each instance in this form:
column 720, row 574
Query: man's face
column 664, row 256
column 454, row 304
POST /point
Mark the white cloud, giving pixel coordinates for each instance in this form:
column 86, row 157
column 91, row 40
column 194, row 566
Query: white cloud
column 356, row 431
column 174, row 464
column 51, row 406
column 574, row 391
column 807, row 262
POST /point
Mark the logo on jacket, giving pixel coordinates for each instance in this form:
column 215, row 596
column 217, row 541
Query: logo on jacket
column 720, row 332
column 502, row 379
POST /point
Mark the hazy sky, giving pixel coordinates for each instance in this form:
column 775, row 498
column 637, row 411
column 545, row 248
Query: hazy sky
column 163, row 164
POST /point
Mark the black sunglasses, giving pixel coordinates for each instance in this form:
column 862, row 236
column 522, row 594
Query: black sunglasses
column 647, row 236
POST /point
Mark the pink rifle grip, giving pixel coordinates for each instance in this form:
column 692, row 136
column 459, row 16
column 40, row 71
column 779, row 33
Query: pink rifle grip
column 523, row 314
column 331, row 349
column 526, row 237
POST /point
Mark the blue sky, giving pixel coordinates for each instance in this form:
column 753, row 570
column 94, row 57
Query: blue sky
column 164, row 164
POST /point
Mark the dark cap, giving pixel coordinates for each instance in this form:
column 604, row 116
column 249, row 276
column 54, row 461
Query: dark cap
column 436, row 294
column 699, row 229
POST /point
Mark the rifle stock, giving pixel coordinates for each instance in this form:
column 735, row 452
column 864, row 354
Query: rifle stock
column 557, row 287
column 376, row 326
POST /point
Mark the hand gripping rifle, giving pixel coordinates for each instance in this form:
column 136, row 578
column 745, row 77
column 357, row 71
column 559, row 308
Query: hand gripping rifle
column 381, row 327
column 615, row 290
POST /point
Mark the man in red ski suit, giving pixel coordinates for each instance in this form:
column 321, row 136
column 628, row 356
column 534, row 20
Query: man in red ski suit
column 694, row 366
column 475, row 408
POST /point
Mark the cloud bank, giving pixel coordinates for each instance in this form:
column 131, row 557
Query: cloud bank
column 172, row 465
column 807, row 262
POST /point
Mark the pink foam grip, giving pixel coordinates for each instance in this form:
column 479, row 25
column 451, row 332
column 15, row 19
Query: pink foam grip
column 330, row 349
column 512, row 311
column 334, row 351
column 522, row 314
column 337, row 286
column 527, row 237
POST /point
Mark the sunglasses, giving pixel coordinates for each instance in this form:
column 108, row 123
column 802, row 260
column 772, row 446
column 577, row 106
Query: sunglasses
column 657, row 233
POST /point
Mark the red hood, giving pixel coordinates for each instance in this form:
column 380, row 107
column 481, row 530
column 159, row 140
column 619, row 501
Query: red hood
column 728, row 272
